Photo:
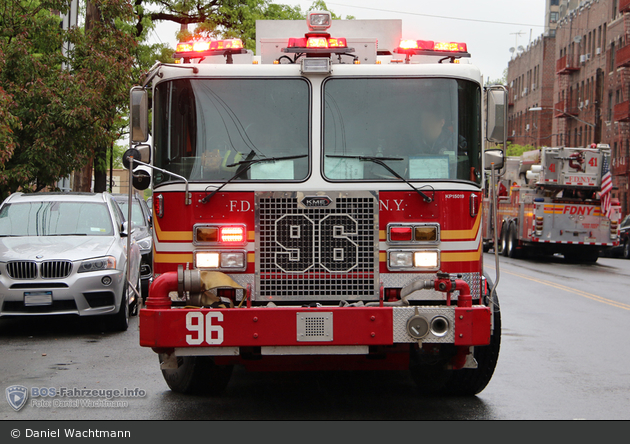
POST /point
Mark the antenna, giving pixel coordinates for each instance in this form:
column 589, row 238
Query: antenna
column 516, row 36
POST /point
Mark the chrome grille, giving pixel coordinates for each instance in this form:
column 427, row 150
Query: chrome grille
column 55, row 269
column 325, row 252
column 22, row 269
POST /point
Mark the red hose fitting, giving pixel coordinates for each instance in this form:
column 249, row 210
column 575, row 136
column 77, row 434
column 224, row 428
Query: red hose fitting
column 450, row 285
column 464, row 299
column 159, row 290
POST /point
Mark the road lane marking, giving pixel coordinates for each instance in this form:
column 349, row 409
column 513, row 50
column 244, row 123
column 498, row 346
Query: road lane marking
column 584, row 294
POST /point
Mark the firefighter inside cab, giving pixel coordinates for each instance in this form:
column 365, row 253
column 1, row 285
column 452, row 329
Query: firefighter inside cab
column 317, row 206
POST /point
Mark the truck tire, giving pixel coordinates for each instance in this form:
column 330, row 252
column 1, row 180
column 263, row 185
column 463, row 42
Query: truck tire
column 512, row 242
column 503, row 239
column 432, row 378
column 197, row 375
column 471, row 381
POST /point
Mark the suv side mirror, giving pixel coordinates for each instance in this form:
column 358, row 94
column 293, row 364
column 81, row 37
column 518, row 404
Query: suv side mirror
column 127, row 229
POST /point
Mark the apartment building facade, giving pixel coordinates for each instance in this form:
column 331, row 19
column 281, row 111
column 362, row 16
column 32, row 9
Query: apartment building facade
column 589, row 73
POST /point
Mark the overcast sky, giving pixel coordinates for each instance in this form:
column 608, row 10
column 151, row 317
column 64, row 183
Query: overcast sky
column 489, row 27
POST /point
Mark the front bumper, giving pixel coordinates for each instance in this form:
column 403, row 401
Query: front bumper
column 81, row 294
column 304, row 330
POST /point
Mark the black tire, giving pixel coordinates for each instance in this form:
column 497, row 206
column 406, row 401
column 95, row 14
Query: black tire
column 503, row 239
column 626, row 250
column 120, row 320
column 486, row 246
column 432, row 378
column 512, row 242
column 197, row 375
column 135, row 306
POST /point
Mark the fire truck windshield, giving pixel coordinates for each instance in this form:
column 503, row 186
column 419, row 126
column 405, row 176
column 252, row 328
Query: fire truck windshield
column 430, row 125
column 204, row 128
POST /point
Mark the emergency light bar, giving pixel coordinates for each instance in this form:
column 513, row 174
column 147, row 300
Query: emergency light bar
column 201, row 48
column 430, row 47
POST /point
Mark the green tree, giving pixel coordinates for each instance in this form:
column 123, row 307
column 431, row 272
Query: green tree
column 62, row 107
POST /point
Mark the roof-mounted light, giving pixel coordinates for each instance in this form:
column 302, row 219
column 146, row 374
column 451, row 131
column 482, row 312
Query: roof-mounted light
column 318, row 20
column 430, row 47
column 202, row 47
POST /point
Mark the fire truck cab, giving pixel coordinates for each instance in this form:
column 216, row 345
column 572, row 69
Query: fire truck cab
column 315, row 211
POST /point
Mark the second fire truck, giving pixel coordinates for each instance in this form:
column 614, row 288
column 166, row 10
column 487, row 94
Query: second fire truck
column 552, row 200
column 320, row 210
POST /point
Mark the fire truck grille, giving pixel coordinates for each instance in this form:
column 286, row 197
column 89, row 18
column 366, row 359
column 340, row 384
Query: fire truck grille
column 317, row 248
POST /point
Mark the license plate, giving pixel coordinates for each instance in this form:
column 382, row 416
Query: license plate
column 32, row 298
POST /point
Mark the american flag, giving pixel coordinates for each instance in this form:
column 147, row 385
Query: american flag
column 606, row 193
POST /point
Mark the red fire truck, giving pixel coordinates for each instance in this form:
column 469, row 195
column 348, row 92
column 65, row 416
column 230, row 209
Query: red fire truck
column 550, row 202
column 321, row 211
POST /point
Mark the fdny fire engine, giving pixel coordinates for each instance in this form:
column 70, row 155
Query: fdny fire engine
column 319, row 211
column 552, row 200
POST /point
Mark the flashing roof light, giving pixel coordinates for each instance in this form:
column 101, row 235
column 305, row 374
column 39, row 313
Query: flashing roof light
column 430, row 47
column 201, row 47
column 317, row 42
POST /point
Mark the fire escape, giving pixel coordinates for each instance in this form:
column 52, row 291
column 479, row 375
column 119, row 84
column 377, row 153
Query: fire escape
column 567, row 106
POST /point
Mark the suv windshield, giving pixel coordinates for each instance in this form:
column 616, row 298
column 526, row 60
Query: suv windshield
column 55, row 219
column 137, row 216
column 423, row 128
column 204, row 127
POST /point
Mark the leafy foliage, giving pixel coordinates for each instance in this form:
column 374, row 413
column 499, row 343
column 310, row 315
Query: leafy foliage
column 60, row 111
column 62, row 106
column 515, row 150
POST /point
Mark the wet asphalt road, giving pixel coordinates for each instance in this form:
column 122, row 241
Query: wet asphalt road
column 564, row 356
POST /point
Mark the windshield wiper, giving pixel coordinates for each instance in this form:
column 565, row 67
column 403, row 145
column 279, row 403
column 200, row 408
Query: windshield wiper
column 380, row 161
column 244, row 165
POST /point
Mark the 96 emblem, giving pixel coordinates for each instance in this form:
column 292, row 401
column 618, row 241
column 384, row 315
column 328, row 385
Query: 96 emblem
column 16, row 396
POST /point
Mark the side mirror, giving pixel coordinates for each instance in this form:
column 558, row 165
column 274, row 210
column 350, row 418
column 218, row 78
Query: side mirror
column 138, row 115
column 141, row 179
column 496, row 124
column 127, row 229
column 493, row 156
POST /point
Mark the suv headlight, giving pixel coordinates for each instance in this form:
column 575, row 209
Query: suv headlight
column 103, row 263
column 145, row 244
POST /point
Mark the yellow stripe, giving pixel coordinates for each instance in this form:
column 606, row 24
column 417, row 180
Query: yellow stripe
column 584, row 294
column 171, row 258
column 382, row 235
column 171, row 235
column 382, row 257
column 251, row 257
column 466, row 256
column 462, row 234
column 251, row 235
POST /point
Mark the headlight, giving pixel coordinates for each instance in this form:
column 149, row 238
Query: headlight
column 206, row 259
column 145, row 244
column 222, row 260
column 400, row 259
column 103, row 263
column 413, row 260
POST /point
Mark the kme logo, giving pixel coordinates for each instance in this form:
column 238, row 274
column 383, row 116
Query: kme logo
column 17, row 396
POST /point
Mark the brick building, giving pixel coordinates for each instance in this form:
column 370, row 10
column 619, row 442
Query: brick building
column 581, row 93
